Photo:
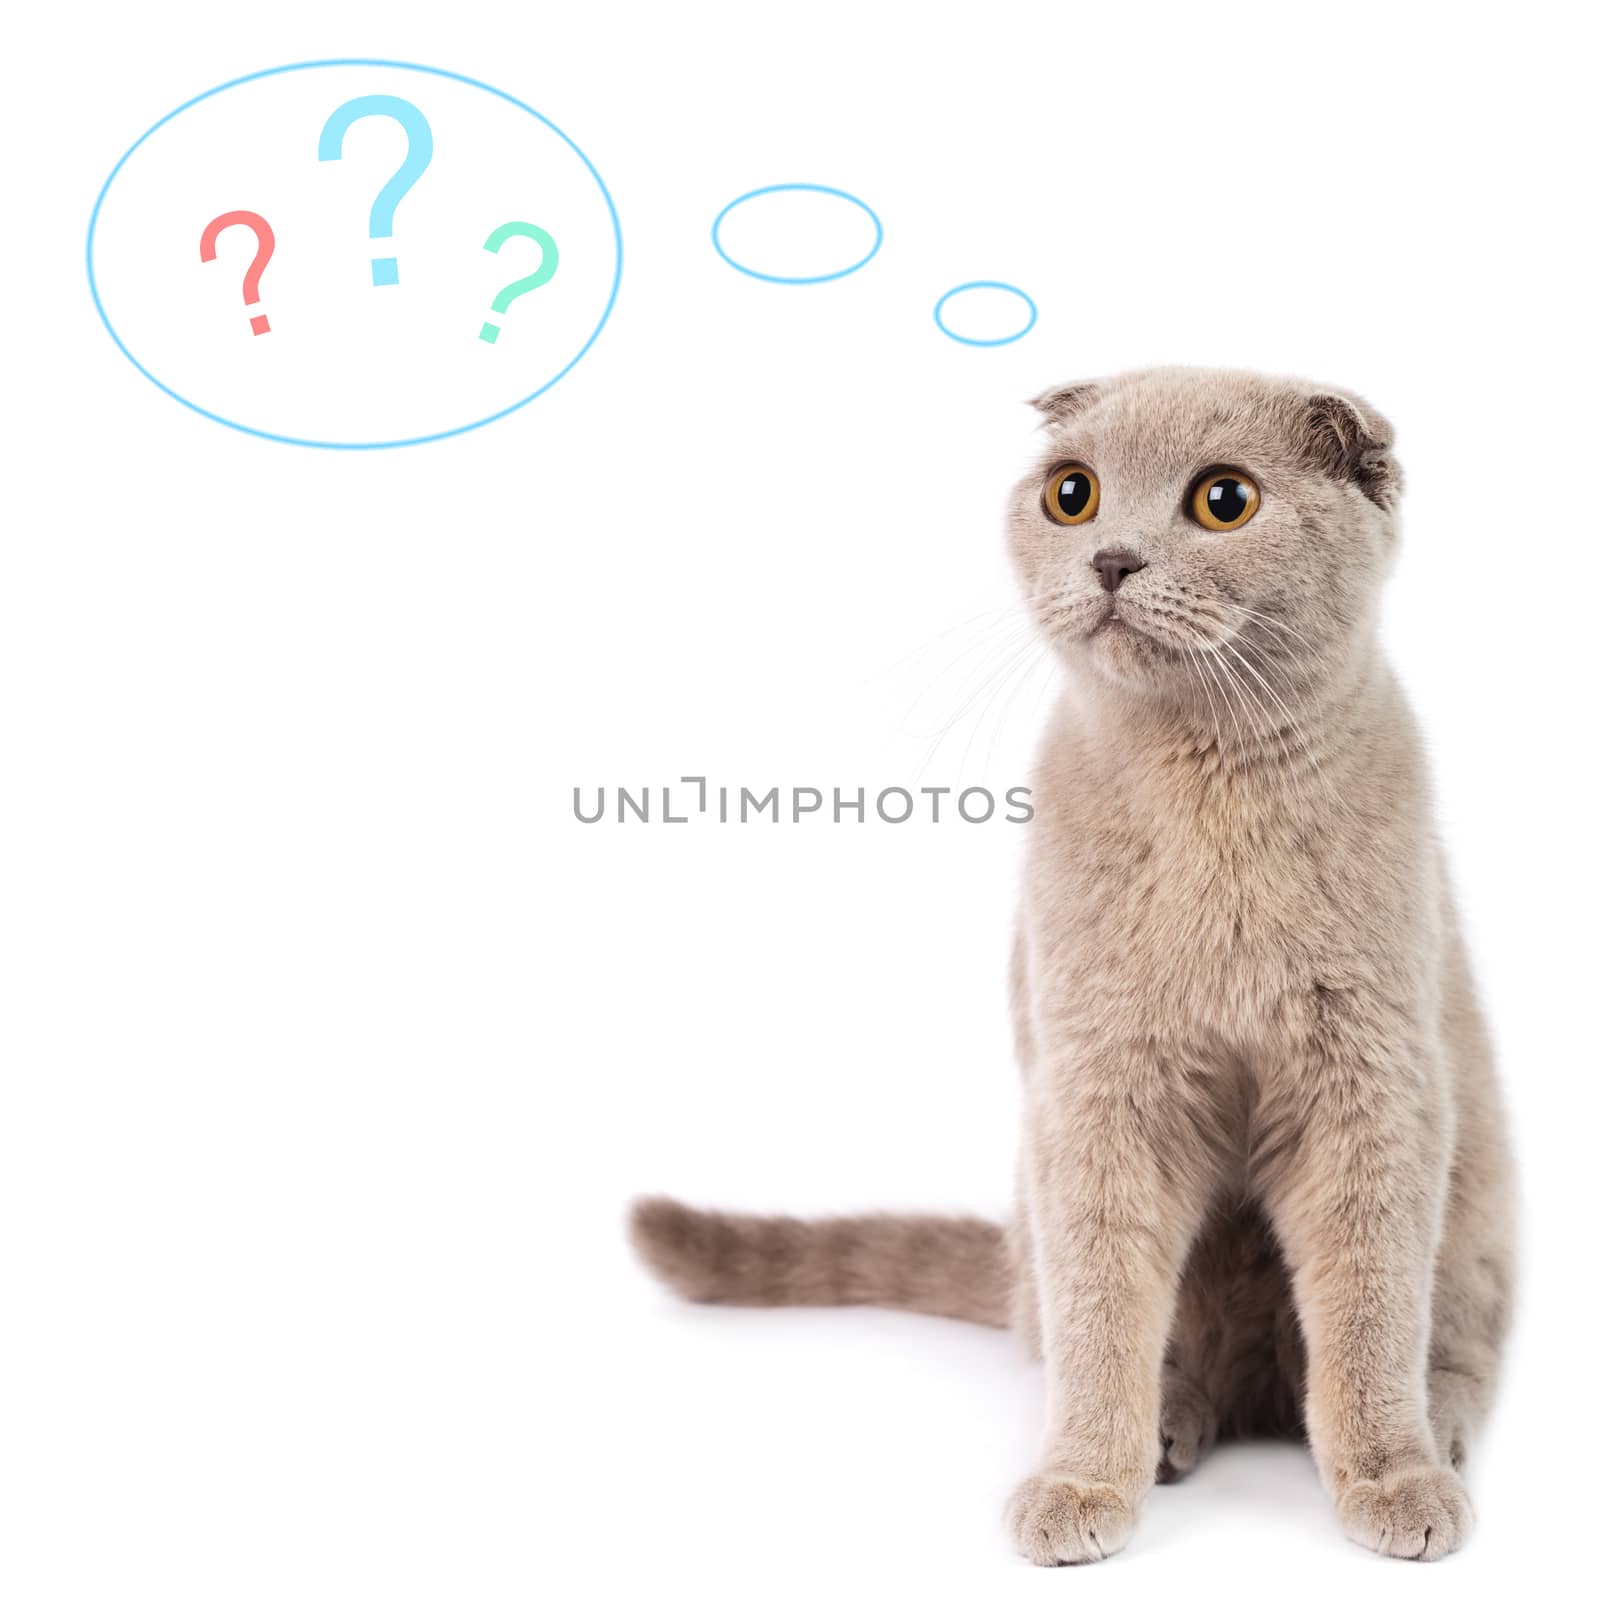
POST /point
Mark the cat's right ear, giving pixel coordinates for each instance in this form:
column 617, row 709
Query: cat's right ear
column 1067, row 401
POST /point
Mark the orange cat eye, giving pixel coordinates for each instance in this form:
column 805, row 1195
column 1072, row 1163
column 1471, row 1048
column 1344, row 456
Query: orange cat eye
column 1071, row 495
column 1224, row 500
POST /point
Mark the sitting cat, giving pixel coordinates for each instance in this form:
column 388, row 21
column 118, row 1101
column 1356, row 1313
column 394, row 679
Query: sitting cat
column 1264, row 1184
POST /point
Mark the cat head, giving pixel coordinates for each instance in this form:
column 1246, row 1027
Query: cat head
column 1186, row 527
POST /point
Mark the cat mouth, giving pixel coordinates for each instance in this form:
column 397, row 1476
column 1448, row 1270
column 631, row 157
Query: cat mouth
column 1111, row 623
column 1117, row 628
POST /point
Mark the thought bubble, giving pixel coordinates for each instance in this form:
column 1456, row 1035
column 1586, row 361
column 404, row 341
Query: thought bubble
column 812, row 232
column 988, row 315
column 382, row 214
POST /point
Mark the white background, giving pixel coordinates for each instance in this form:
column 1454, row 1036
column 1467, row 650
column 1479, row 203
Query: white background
column 334, row 1045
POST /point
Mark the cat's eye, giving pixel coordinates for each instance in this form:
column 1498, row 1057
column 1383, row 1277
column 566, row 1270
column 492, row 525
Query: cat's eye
column 1224, row 500
column 1071, row 495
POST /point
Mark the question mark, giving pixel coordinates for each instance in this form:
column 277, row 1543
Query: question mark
column 419, row 152
column 549, row 257
column 265, row 245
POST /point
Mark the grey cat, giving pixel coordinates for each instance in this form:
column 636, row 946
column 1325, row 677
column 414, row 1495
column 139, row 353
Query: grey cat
column 1264, row 1185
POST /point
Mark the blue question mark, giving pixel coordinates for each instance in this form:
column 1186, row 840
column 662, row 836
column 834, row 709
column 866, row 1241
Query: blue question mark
column 419, row 152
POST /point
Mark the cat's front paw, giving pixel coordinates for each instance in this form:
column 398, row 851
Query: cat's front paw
column 1057, row 1522
column 1188, row 1426
column 1418, row 1514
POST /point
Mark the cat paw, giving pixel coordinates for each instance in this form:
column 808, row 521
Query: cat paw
column 1457, row 1398
column 1188, row 1426
column 1059, row 1522
column 1418, row 1514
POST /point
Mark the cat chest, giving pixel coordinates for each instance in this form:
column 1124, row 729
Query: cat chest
column 1155, row 929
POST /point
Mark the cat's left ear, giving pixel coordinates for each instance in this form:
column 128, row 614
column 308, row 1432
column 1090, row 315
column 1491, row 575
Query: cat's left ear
column 1349, row 439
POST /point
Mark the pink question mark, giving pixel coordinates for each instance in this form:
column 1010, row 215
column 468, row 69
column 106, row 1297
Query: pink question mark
column 265, row 244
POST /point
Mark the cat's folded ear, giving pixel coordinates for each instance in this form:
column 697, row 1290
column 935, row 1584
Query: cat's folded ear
column 1066, row 401
column 1348, row 439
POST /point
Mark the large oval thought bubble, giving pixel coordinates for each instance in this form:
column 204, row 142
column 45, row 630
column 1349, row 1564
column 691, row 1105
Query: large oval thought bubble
column 354, row 254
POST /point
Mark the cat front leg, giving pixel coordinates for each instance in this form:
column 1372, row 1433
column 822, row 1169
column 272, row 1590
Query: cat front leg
column 1354, row 1182
column 1115, row 1181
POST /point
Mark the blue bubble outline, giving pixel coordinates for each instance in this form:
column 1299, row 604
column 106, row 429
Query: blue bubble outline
column 986, row 283
column 785, row 188
column 375, row 444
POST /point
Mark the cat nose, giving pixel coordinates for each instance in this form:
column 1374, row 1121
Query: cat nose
column 1113, row 566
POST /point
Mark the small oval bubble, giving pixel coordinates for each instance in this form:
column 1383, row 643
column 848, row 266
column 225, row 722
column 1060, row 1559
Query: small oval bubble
column 791, row 226
column 992, row 306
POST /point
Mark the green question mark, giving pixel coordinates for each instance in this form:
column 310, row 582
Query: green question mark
column 547, row 269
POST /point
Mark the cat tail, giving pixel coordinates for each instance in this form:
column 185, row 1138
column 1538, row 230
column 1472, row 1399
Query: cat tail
column 944, row 1266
